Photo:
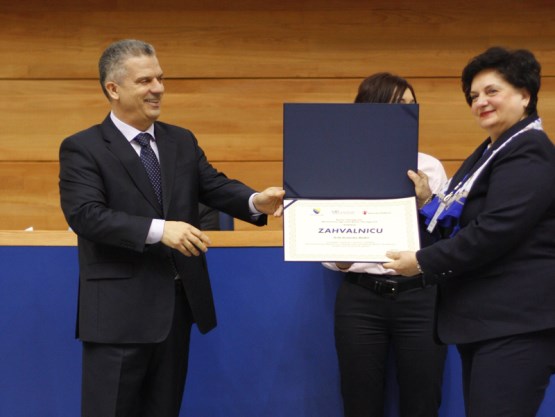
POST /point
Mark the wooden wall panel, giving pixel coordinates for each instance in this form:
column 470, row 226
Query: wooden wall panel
column 281, row 39
column 258, row 175
column 234, row 120
column 230, row 66
column 30, row 192
column 30, row 197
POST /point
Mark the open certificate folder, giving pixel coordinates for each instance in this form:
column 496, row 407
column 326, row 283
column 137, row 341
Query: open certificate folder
column 348, row 197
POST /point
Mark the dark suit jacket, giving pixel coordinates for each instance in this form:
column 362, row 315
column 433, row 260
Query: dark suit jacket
column 126, row 292
column 209, row 218
column 497, row 274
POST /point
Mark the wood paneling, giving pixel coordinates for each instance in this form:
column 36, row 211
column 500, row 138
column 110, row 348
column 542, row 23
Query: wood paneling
column 234, row 120
column 230, row 66
column 268, row 238
column 351, row 38
column 30, row 197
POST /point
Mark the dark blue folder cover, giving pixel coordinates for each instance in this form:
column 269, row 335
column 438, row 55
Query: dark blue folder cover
column 349, row 151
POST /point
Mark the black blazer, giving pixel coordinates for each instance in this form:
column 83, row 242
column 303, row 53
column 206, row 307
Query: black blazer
column 126, row 291
column 497, row 274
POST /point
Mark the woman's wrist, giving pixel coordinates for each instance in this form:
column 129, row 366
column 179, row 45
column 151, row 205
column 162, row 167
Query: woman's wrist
column 426, row 201
column 419, row 267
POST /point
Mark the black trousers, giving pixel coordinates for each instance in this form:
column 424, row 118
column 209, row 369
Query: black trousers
column 507, row 377
column 138, row 380
column 366, row 324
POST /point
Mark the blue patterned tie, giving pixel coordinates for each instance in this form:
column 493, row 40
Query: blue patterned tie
column 152, row 166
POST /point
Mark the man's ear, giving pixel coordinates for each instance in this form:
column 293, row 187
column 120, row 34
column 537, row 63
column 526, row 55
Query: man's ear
column 112, row 89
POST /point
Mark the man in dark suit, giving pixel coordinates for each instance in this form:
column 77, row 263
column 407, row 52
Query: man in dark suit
column 133, row 203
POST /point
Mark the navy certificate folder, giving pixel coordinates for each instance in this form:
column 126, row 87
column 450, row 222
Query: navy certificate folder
column 349, row 151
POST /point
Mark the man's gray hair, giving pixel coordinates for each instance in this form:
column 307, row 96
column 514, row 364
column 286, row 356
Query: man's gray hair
column 110, row 65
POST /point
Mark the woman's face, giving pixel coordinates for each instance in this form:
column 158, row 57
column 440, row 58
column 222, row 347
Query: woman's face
column 407, row 98
column 497, row 104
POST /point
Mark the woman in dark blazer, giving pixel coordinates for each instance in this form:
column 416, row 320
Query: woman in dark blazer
column 496, row 266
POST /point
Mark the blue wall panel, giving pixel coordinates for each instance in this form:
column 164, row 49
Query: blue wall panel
column 272, row 354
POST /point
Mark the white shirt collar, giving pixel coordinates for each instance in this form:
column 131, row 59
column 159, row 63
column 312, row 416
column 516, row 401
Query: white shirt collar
column 129, row 131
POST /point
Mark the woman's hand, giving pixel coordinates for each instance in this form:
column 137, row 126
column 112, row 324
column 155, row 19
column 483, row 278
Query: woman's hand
column 404, row 263
column 421, row 187
column 343, row 266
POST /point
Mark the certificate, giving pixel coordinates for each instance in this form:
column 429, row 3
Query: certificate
column 349, row 230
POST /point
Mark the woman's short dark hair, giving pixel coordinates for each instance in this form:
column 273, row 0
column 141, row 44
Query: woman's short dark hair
column 383, row 87
column 518, row 67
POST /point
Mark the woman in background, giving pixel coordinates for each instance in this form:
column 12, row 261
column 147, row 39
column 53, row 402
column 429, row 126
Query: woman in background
column 371, row 316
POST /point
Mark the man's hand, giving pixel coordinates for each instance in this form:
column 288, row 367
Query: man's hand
column 185, row 238
column 404, row 263
column 421, row 187
column 270, row 201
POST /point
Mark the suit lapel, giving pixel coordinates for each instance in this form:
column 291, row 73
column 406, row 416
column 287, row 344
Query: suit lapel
column 123, row 150
column 472, row 162
column 167, row 149
column 469, row 165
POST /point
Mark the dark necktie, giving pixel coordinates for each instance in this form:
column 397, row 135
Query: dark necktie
column 152, row 166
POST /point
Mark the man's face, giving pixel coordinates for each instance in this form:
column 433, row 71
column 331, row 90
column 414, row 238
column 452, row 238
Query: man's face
column 136, row 94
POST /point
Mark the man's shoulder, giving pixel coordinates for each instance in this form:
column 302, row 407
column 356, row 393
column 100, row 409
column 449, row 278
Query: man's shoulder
column 88, row 132
column 172, row 129
column 82, row 138
column 177, row 134
column 94, row 131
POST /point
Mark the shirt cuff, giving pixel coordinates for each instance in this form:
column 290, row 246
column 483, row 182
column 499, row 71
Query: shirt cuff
column 254, row 212
column 155, row 232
